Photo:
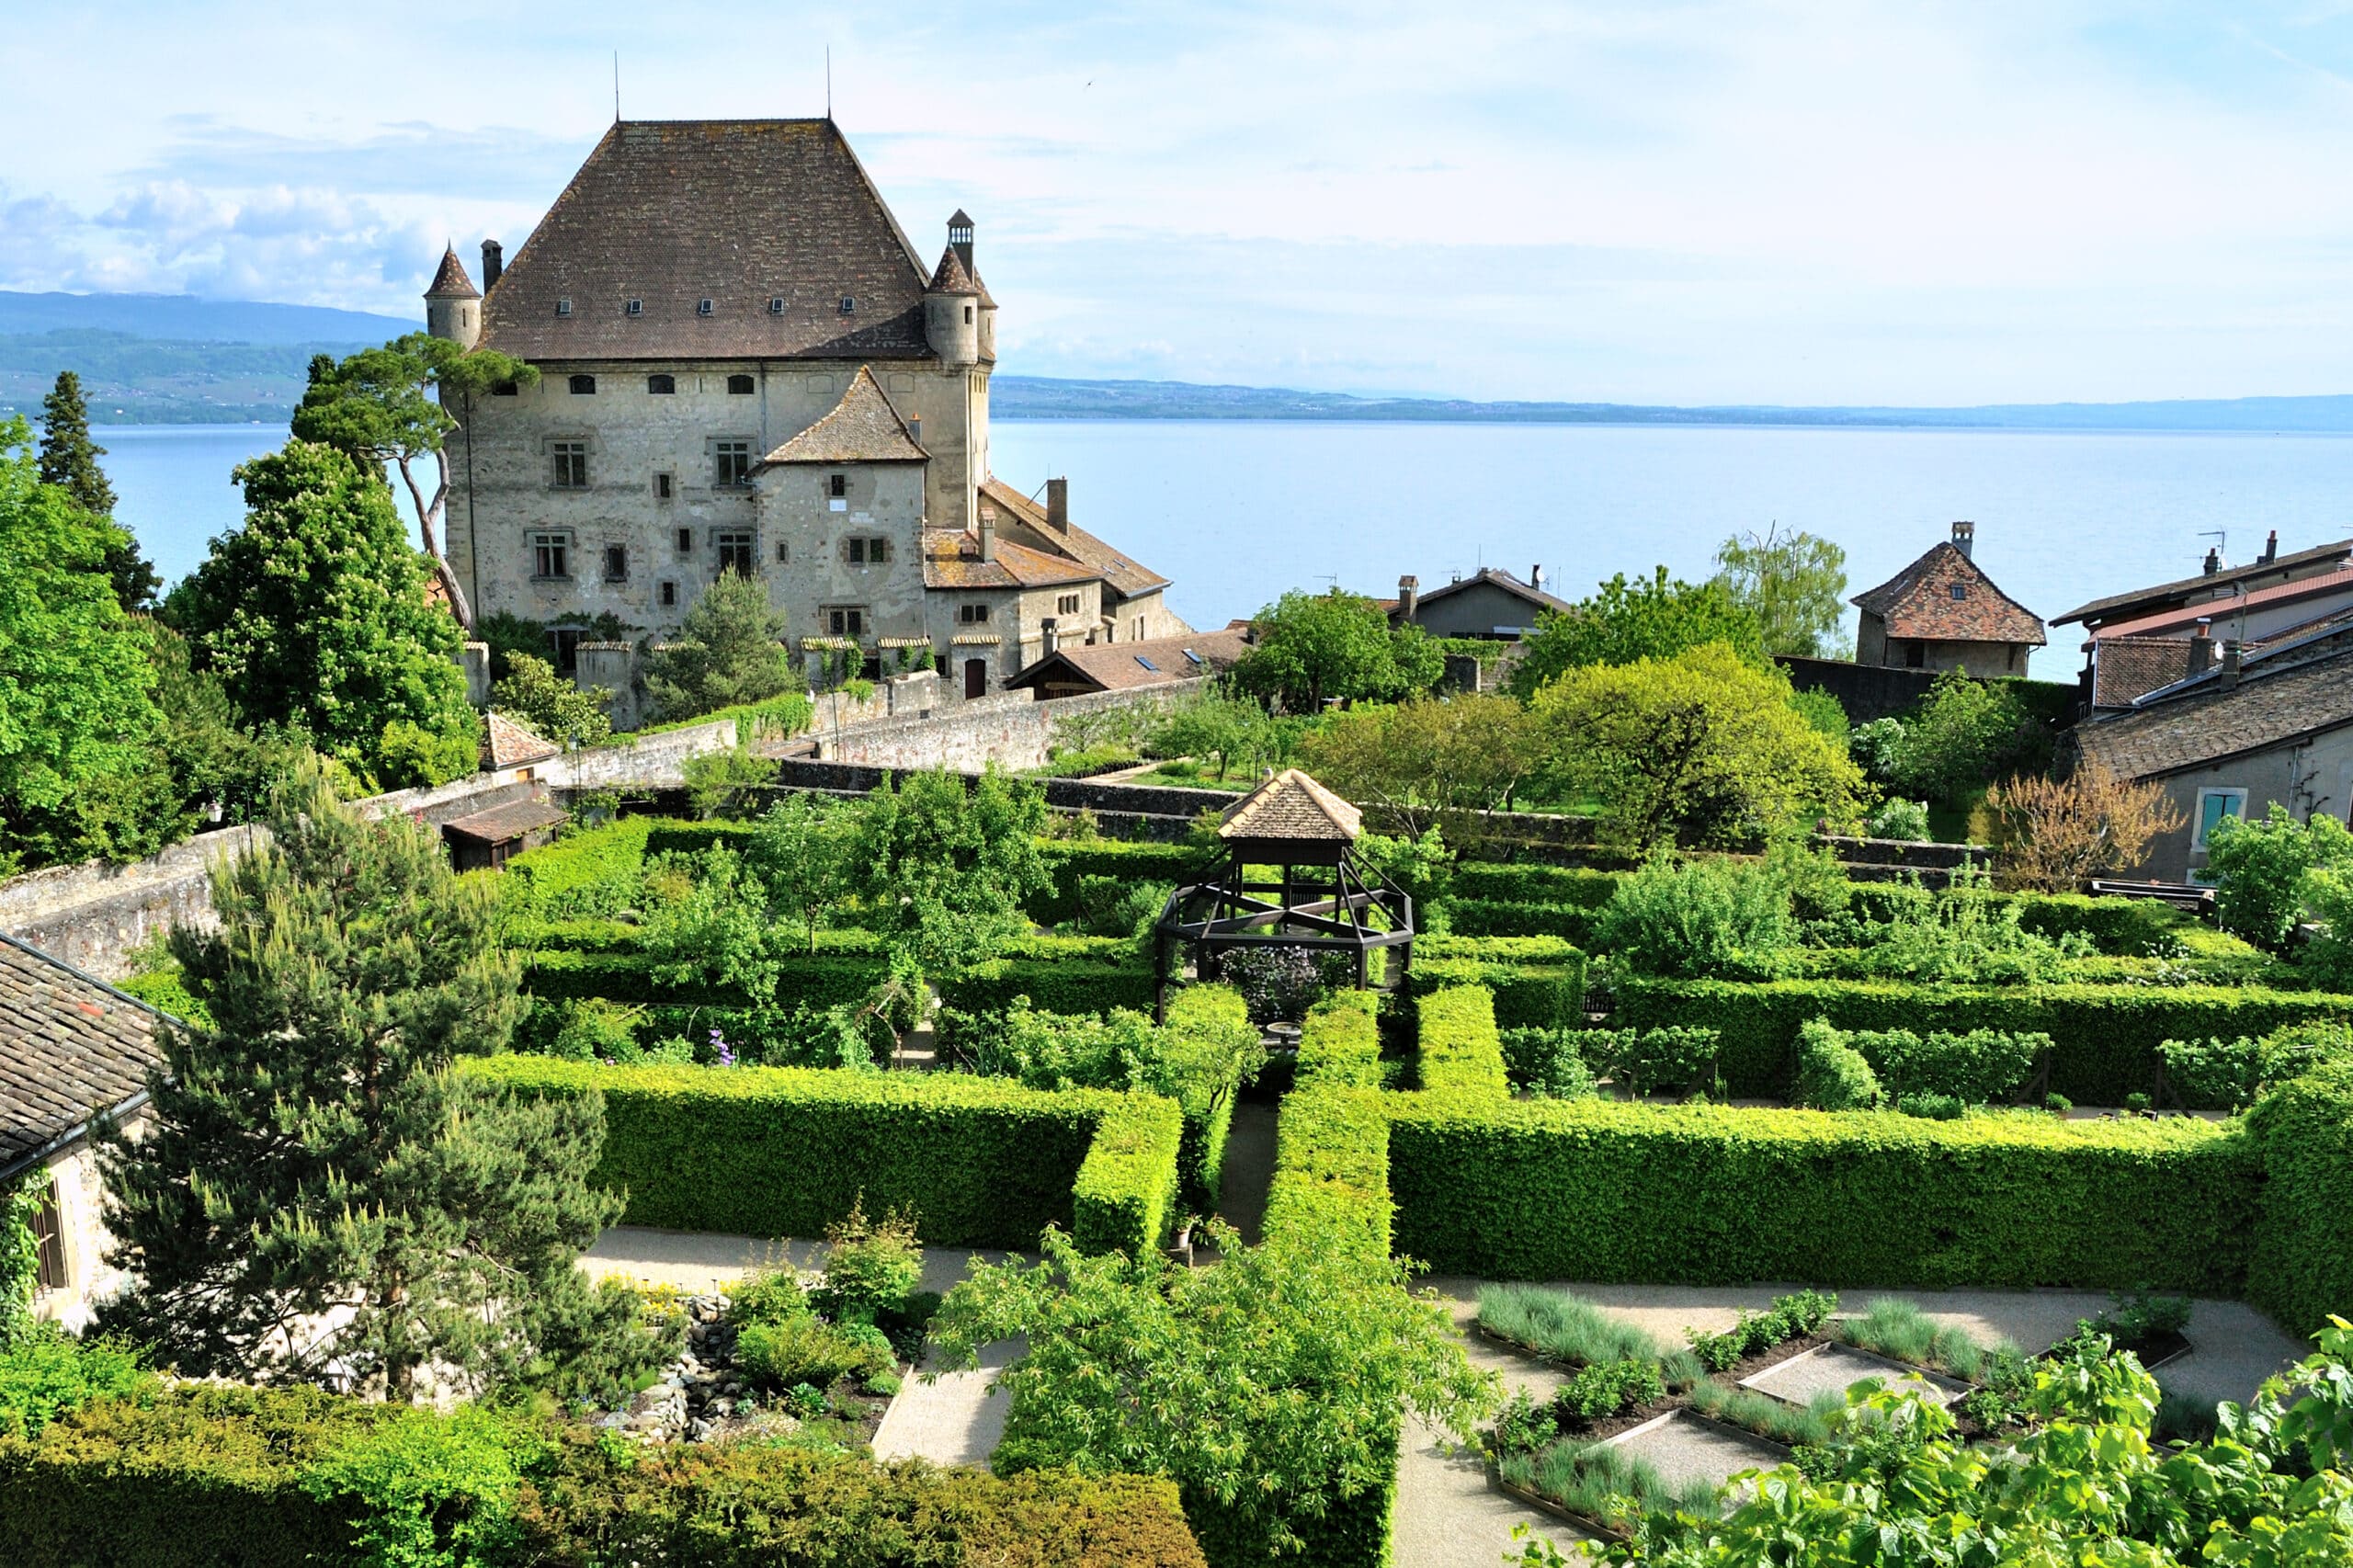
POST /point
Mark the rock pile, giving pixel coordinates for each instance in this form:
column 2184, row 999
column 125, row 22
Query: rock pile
column 700, row 1396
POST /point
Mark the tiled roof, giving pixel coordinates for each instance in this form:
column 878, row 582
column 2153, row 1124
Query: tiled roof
column 2206, row 723
column 2127, row 668
column 952, row 560
column 1495, row 576
column 1920, row 602
column 1126, row 577
column 68, row 1046
column 510, row 743
column 451, row 281
column 950, row 277
column 2205, row 584
column 735, row 212
column 2337, row 584
column 501, row 824
column 861, row 428
column 1122, row 666
column 1290, row 805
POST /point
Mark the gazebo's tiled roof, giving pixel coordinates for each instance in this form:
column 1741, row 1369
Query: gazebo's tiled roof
column 1291, row 805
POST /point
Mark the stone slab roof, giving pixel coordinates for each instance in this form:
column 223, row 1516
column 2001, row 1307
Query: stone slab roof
column 2207, row 585
column 501, row 824
column 863, row 427
column 2206, row 723
column 1126, row 577
column 1125, row 667
column 2127, row 668
column 70, row 1045
column 1290, row 805
column 735, row 212
column 510, row 743
column 952, row 560
column 1944, row 597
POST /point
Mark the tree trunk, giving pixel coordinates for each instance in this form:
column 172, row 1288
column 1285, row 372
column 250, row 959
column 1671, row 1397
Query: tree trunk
column 428, row 528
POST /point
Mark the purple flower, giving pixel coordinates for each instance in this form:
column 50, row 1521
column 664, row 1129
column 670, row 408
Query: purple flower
column 719, row 1045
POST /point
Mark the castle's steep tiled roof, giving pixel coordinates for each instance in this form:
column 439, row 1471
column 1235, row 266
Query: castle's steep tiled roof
column 735, row 212
column 450, row 281
column 68, row 1046
column 863, row 427
column 1921, row 602
column 2206, row 723
column 950, row 277
column 1290, row 805
column 952, row 560
column 1126, row 577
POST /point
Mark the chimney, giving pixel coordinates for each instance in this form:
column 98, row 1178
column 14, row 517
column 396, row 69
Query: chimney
column 494, row 262
column 988, row 533
column 2213, row 561
column 2201, row 646
column 2271, row 547
column 1536, row 576
column 1964, row 540
column 1058, row 505
column 1409, row 597
column 2230, row 667
column 1050, row 630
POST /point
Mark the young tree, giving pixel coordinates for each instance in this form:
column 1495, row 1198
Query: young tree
column 391, row 405
column 1625, row 622
column 1699, row 749
column 2055, row 836
column 801, row 855
column 729, row 651
column 1794, row 583
column 947, row 869
column 1219, row 725
column 319, row 1187
column 1421, row 759
column 314, row 616
column 1965, row 732
column 69, row 459
column 2264, row 869
column 1312, row 647
column 564, row 713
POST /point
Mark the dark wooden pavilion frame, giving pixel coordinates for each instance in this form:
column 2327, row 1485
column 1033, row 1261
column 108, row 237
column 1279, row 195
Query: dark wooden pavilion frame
column 1323, row 912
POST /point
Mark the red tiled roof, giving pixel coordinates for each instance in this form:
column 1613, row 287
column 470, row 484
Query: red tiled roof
column 450, row 281
column 1921, row 602
column 952, row 560
column 510, row 743
column 2124, row 668
column 1122, row 666
column 2185, row 588
column 2187, row 616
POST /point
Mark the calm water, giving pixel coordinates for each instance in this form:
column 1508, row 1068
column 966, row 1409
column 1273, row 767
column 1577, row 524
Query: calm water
column 1236, row 512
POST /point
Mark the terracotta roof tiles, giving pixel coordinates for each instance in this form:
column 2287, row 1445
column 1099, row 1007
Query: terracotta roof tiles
column 450, row 281
column 1944, row 597
column 952, row 560
column 1290, row 805
column 68, row 1046
column 1124, row 667
column 510, row 743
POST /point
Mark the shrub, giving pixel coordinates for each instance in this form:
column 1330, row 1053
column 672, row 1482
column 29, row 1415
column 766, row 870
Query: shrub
column 2303, row 1264
column 1071, row 864
column 1276, row 983
column 2262, row 867
column 1609, row 1388
column 44, row 1373
column 1548, row 1063
column 1933, row 1107
column 1458, row 1048
column 872, row 1266
column 1900, row 819
column 2057, row 834
column 803, row 1350
column 1646, row 1062
column 1958, row 935
column 1723, row 918
column 1976, row 1068
column 1527, row 995
column 1832, row 1074
column 1965, row 733
column 2218, row 1075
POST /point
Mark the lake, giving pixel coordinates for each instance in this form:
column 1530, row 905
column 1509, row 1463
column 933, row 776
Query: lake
column 1237, row 511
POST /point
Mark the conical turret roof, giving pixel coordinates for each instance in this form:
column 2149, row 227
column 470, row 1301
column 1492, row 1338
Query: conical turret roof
column 951, row 276
column 452, row 283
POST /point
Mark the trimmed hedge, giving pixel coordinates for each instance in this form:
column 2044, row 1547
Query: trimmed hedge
column 2303, row 1266
column 1527, row 995
column 1457, row 1050
column 1077, row 985
column 1071, row 861
column 820, row 981
column 2104, row 1038
column 1523, row 882
column 1124, row 1197
column 1603, row 1190
column 579, row 873
column 1208, row 1107
column 672, row 837
column 786, row 1151
column 1519, row 917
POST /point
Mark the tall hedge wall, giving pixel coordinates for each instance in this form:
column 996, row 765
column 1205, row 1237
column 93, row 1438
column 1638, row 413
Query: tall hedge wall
column 2303, row 1266
column 1526, row 996
column 1211, row 1011
column 1078, row 984
column 1606, row 1190
column 819, row 981
column 786, row 1151
column 1457, row 1050
column 2104, row 1038
column 1071, row 861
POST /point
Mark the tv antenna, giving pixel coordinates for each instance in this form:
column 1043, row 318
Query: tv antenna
column 617, row 86
column 2221, row 539
column 829, row 80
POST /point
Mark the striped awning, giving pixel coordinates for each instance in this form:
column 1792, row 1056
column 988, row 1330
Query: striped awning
column 903, row 641
column 975, row 640
column 828, row 644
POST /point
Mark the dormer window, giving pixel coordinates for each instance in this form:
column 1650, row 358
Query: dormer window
column 1960, row 590
column 661, row 385
column 583, row 386
column 702, row 307
column 776, row 304
column 564, row 307
column 634, row 308
column 849, row 305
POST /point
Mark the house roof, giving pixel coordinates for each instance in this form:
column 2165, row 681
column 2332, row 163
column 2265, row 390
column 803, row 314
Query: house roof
column 951, row 559
column 1921, row 602
column 2206, row 724
column 863, row 427
column 450, row 281
column 735, row 212
column 2184, row 590
column 1126, row 578
column 1290, row 805
column 70, row 1046
column 1493, row 577
column 502, row 825
column 2184, row 616
column 510, row 743
column 2125, row 669
column 1123, row 666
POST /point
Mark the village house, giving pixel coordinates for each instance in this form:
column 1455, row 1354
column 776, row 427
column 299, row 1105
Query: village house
column 1942, row 612
column 744, row 364
column 72, row 1048
column 1491, row 604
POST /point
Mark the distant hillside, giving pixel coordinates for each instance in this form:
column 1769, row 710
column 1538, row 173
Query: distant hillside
column 146, row 381
column 187, row 318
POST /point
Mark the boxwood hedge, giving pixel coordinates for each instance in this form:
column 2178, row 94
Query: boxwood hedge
column 820, row 981
column 2302, row 1265
column 1071, row 861
column 1527, row 995
column 786, row 1151
column 1458, row 1049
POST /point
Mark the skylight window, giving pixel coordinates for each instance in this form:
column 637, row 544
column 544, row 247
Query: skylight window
column 1960, row 590
column 1147, row 663
column 564, row 307
column 702, row 307
column 1194, row 658
column 776, row 304
column 634, row 308
column 849, row 305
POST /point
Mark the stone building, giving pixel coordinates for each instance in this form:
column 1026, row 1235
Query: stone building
column 1943, row 612
column 745, row 365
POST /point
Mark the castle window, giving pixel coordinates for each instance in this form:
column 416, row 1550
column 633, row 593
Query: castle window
column 849, row 305
column 845, row 620
column 616, row 563
column 733, row 461
column 837, row 484
column 739, row 385
column 864, row 551
column 552, row 555
column 661, row 386
column 667, row 595
column 663, row 486
column 505, row 389
column 702, row 307
column 736, row 552
column 49, row 1243
column 776, row 304
column 634, row 308
column 784, row 553
column 968, row 316
column 1066, row 605
column 686, row 542
column 565, row 640
column 571, row 465
column 583, row 386
column 564, row 307
column 972, row 614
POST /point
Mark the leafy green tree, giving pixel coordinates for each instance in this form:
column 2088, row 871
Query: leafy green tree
column 563, row 712
column 1421, row 758
column 947, row 869
column 729, row 651
column 69, row 459
column 800, row 853
column 718, row 782
column 314, row 616
column 1628, row 621
column 1218, row 725
column 1965, row 733
column 717, row 933
column 393, row 405
column 1315, row 647
column 2262, row 869
column 20, row 1206
column 318, row 1185
column 1794, row 583
column 1699, row 749
column 81, row 772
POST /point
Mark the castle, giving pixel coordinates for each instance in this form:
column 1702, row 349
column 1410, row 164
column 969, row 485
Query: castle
column 746, row 365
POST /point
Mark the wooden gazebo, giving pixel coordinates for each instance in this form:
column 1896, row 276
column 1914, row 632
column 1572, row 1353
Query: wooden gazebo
column 1325, row 899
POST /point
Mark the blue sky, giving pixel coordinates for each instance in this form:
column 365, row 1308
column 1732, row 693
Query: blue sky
column 1661, row 200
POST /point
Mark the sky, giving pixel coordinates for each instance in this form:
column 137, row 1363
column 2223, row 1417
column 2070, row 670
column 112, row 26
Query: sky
column 1680, row 202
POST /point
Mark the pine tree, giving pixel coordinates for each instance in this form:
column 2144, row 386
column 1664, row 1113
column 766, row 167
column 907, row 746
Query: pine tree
column 319, row 1187
column 70, row 459
column 729, row 650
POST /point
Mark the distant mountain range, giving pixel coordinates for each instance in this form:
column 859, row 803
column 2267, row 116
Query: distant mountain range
column 174, row 360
